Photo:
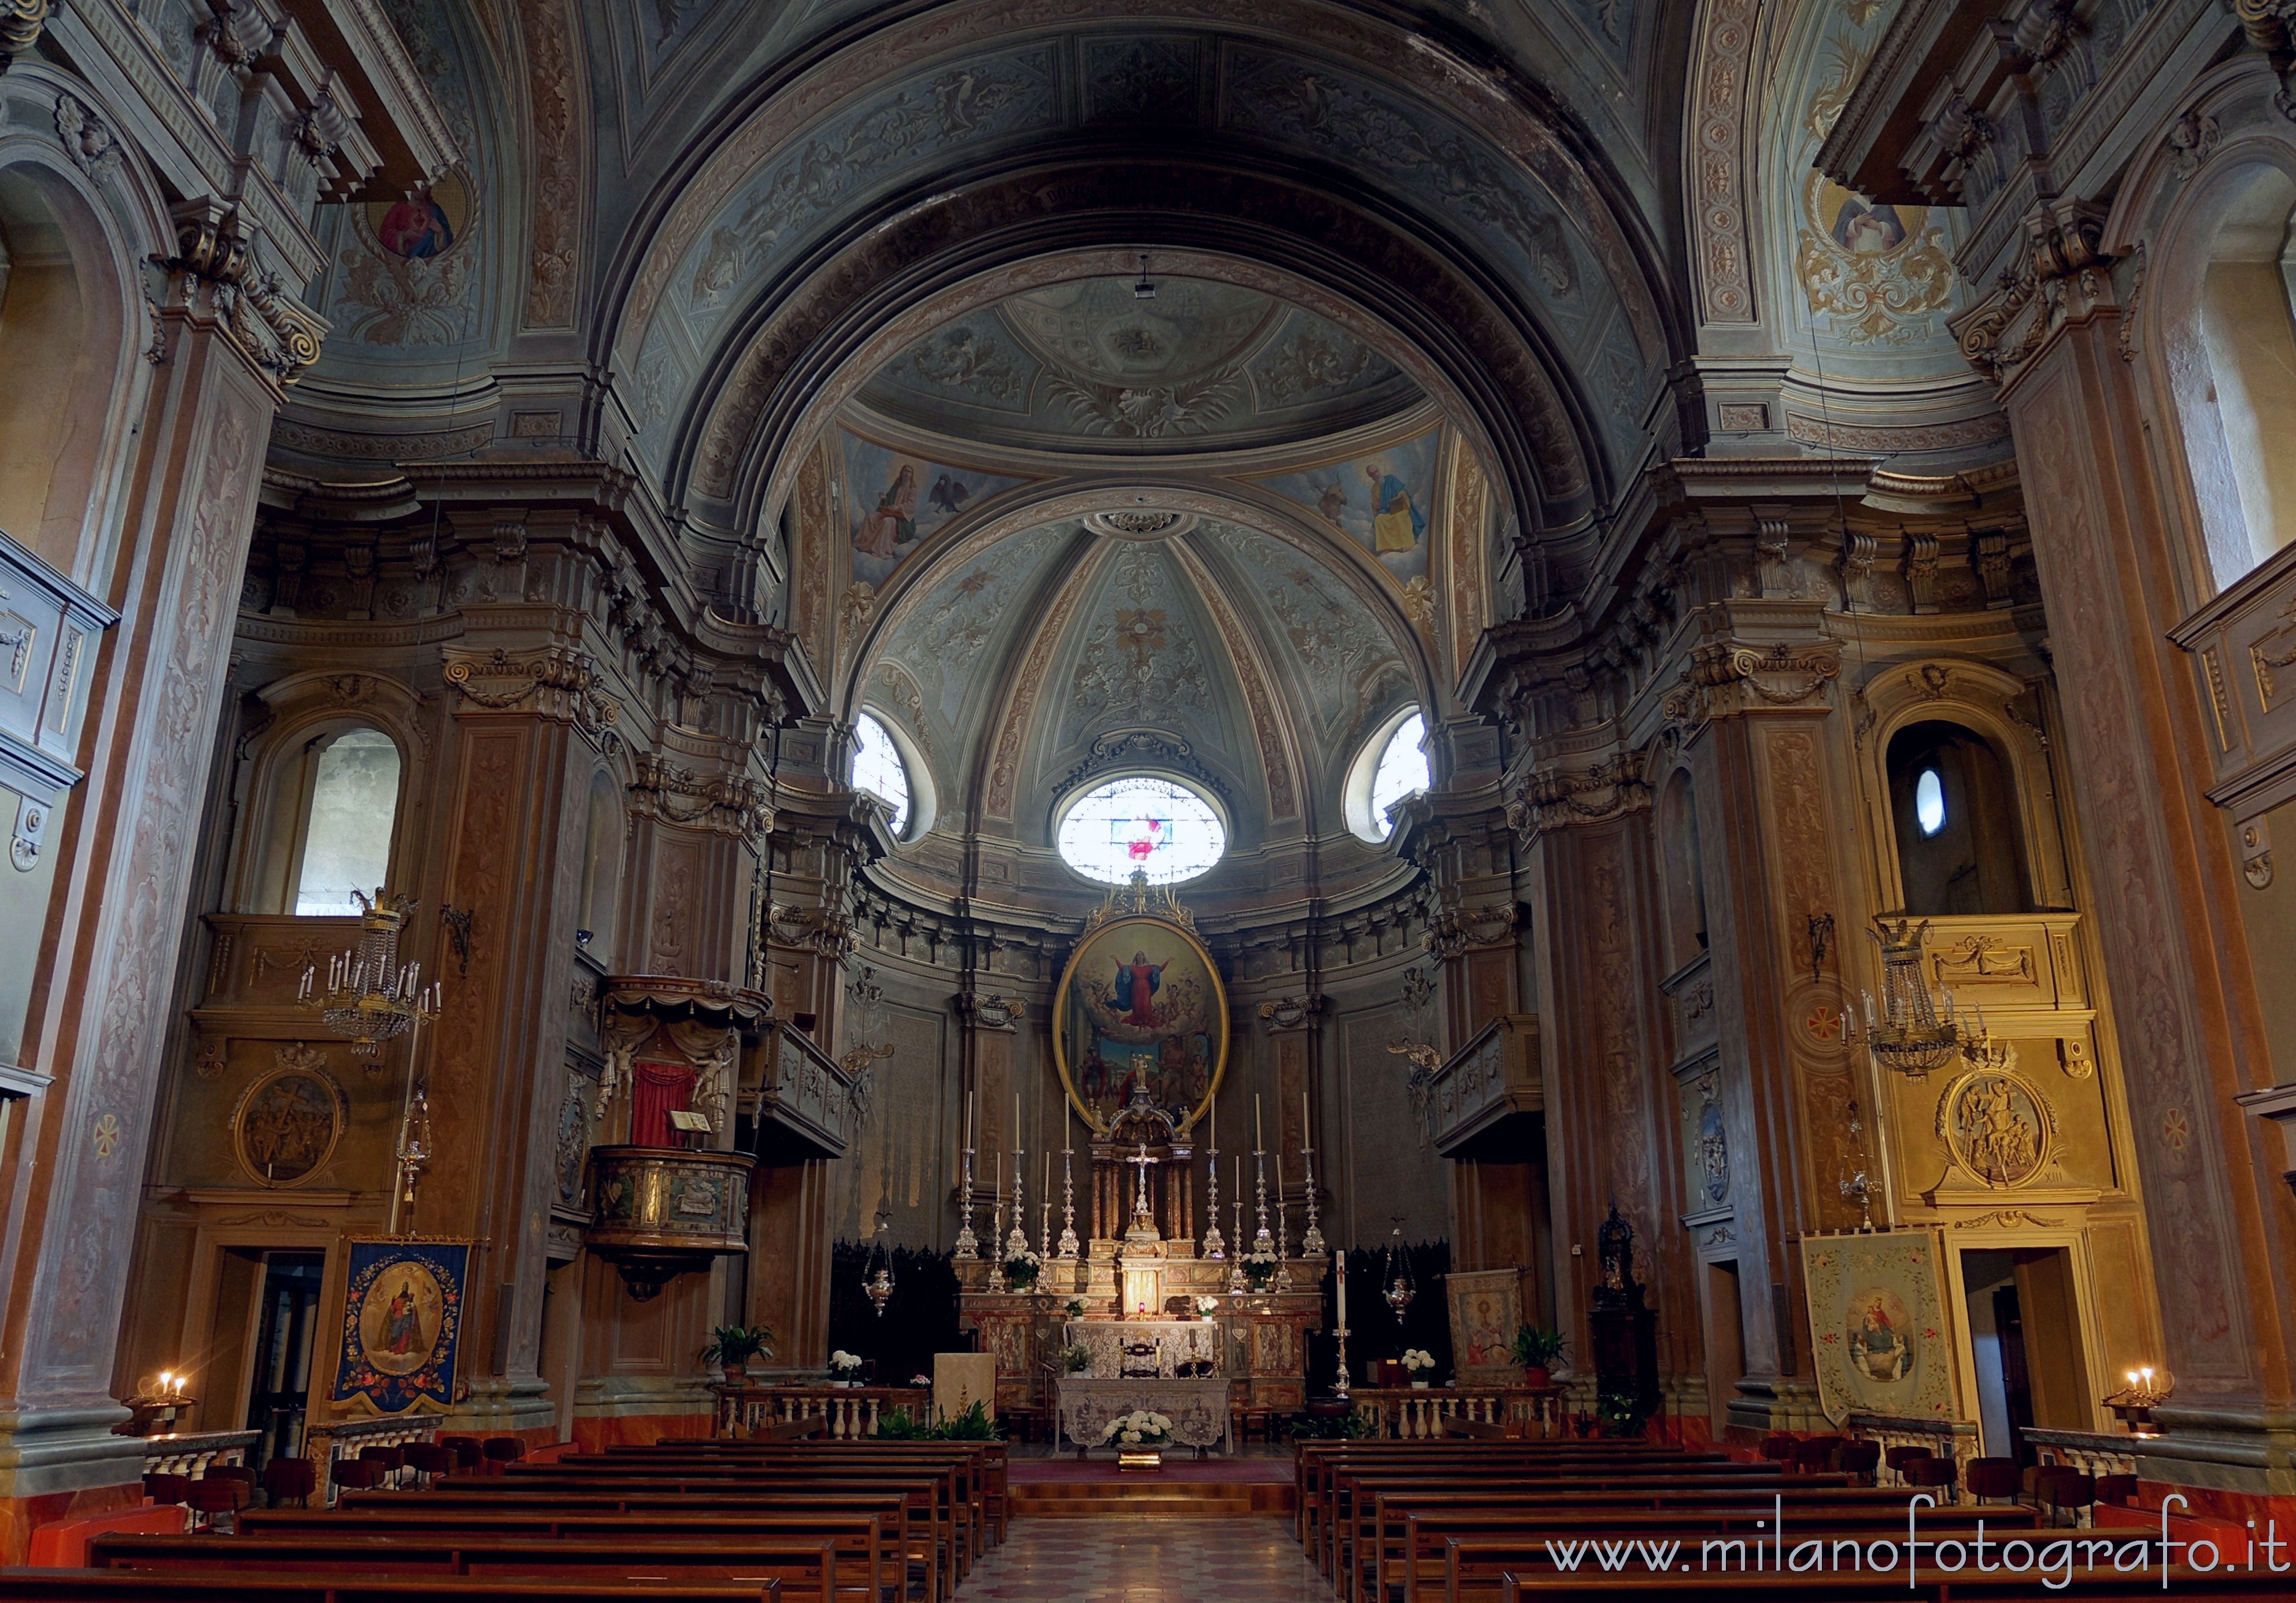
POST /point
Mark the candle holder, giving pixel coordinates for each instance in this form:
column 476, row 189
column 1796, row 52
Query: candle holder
column 997, row 1259
column 1215, row 1245
column 968, row 1245
column 2133, row 1403
column 1311, row 1239
column 1016, row 1244
column 1339, row 1386
column 1069, row 1243
column 1237, row 1285
column 1282, row 1240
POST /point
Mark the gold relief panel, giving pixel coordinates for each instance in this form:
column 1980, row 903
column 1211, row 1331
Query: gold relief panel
column 1995, row 960
column 1998, row 1128
column 288, row 1120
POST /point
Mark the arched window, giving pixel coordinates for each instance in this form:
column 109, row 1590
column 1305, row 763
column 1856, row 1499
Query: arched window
column 1391, row 766
column 878, row 767
column 349, row 788
column 1958, row 844
column 1158, row 826
column 2232, row 356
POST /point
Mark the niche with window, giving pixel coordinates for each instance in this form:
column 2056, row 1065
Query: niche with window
column 2232, row 356
column 334, row 810
column 601, row 867
column 1955, row 815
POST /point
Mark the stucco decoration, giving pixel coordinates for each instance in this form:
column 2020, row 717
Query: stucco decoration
column 944, row 641
column 1346, row 666
column 1873, row 282
column 1201, row 364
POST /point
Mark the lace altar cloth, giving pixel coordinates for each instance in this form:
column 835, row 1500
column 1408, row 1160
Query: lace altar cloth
column 1184, row 1340
column 1197, row 1408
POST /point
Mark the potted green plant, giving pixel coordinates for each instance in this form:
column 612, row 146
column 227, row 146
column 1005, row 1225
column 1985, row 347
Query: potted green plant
column 1535, row 1348
column 731, row 1348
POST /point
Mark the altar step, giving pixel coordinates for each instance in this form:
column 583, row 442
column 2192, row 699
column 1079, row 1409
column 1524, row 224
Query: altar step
column 1148, row 1496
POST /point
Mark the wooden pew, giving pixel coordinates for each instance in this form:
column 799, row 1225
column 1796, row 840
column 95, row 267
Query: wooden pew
column 801, row 1569
column 877, row 1538
column 329, row 1586
column 1928, row 1586
column 989, row 1461
column 1317, row 1466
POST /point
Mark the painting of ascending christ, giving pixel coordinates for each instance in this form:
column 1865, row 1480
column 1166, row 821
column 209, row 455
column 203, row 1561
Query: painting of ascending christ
column 1141, row 1011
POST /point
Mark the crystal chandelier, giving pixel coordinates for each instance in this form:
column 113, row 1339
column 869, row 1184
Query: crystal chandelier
column 1914, row 1030
column 370, row 998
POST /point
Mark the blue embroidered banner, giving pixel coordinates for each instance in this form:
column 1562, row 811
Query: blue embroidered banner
column 402, row 1324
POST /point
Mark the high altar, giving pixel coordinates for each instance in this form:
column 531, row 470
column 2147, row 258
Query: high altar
column 1171, row 1306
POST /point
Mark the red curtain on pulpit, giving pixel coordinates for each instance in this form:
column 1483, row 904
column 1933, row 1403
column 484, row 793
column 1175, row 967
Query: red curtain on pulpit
column 657, row 1091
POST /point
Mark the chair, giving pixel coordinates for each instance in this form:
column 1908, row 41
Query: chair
column 2064, row 1491
column 428, row 1459
column 1815, row 1454
column 167, row 1488
column 465, row 1449
column 2119, row 1489
column 1779, row 1448
column 284, row 1478
column 1859, row 1459
column 393, row 1460
column 355, row 1475
column 1929, row 1473
column 212, row 1496
column 1993, row 1478
column 503, row 1450
column 1899, row 1458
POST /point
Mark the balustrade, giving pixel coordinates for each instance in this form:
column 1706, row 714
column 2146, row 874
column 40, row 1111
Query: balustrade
column 1413, row 1414
column 853, row 1413
column 190, row 1452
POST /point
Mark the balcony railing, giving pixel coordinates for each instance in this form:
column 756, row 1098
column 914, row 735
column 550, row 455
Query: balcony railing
column 1487, row 1081
column 852, row 1412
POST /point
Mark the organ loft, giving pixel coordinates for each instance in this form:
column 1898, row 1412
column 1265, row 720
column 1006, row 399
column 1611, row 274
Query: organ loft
column 1107, row 751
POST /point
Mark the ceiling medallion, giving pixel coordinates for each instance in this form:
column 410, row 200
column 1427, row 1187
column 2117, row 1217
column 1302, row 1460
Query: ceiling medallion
column 1140, row 523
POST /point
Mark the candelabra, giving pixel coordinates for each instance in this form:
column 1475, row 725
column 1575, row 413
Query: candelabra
column 1045, row 1227
column 1262, row 1241
column 996, row 1258
column 1282, row 1238
column 1311, row 1239
column 1215, row 1246
column 371, row 998
column 1069, row 1243
column 1235, row 1281
column 968, row 1245
column 877, row 1273
column 1016, row 1244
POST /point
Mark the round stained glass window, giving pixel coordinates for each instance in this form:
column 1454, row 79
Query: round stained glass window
column 1156, row 826
column 877, row 768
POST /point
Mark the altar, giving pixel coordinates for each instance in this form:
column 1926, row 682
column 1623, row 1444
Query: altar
column 1197, row 1408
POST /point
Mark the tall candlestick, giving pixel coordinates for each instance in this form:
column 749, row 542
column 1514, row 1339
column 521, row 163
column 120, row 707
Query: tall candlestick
column 1235, row 1281
column 1258, row 1141
column 1307, row 1140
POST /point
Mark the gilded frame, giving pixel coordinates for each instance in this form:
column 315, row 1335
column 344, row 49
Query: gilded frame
column 339, row 1109
column 1097, row 945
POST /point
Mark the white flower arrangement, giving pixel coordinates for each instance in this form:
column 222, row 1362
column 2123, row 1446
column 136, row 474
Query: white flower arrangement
column 844, row 1365
column 1418, row 1358
column 1207, row 1305
column 1139, row 1428
column 1022, row 1268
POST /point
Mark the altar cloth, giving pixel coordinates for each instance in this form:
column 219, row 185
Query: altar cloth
column 1197, row 1408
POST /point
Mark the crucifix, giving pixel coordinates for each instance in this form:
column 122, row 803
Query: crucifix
column 1140, row 1202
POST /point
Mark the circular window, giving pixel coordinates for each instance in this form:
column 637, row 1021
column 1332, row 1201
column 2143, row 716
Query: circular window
column 1156, row 826
column 1929, row 802
column 1392, row 767
column 878, row 767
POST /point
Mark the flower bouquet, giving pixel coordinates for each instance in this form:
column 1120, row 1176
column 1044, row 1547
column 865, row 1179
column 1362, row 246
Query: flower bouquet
column 1138, row 1428
column 1022, row 1269
column 844, row 1367
column 1206, row 1306
column 1420, row 1363
column 1259, row 1268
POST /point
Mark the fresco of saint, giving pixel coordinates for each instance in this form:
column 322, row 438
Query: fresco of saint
column 893, row 523
column 415, row 228
column 1396, row 522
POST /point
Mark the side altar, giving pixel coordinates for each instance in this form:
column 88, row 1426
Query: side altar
column 1140, row 1037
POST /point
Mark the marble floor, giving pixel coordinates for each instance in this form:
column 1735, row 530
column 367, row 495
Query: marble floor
column 1119, row 1560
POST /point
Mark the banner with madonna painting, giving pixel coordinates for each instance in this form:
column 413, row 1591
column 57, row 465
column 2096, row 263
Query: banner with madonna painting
column 402, row 1324
column 1878, row 1326
column 1140, row 1017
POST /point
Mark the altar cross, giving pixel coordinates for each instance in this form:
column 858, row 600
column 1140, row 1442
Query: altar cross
column 1142, row 1163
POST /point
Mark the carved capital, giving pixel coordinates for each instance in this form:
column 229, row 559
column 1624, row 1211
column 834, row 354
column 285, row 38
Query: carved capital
column 722, row 803
column 20, row 22
column 1553, row 796
column 557, row 682
column 1726, row 678
column 1285, row 1014
column 1457, row 929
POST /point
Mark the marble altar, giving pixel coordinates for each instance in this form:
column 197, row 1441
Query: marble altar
column 1197, row 1408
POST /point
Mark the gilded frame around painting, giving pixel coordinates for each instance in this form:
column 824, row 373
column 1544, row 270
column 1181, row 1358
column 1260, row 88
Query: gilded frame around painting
column 1141, row 1002
column 402, row 1323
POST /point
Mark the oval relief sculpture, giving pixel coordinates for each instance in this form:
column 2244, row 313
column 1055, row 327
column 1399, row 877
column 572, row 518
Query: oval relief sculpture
column 1997, row 1127
column 288, row 1121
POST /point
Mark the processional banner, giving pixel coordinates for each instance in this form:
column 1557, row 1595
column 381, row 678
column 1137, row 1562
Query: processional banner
column 1878, row 1325
column 402, row 1324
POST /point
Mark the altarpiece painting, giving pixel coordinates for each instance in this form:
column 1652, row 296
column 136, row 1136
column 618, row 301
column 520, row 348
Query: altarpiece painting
column 1141, row 1010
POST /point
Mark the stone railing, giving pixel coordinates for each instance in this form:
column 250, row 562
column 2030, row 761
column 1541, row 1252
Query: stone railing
column 1954, row 1439
column 1411, row 1414
column 190, row 1451
column 2092, row 1452
column 852, row 1412
column 323, row 1444
column 1486, row 1082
